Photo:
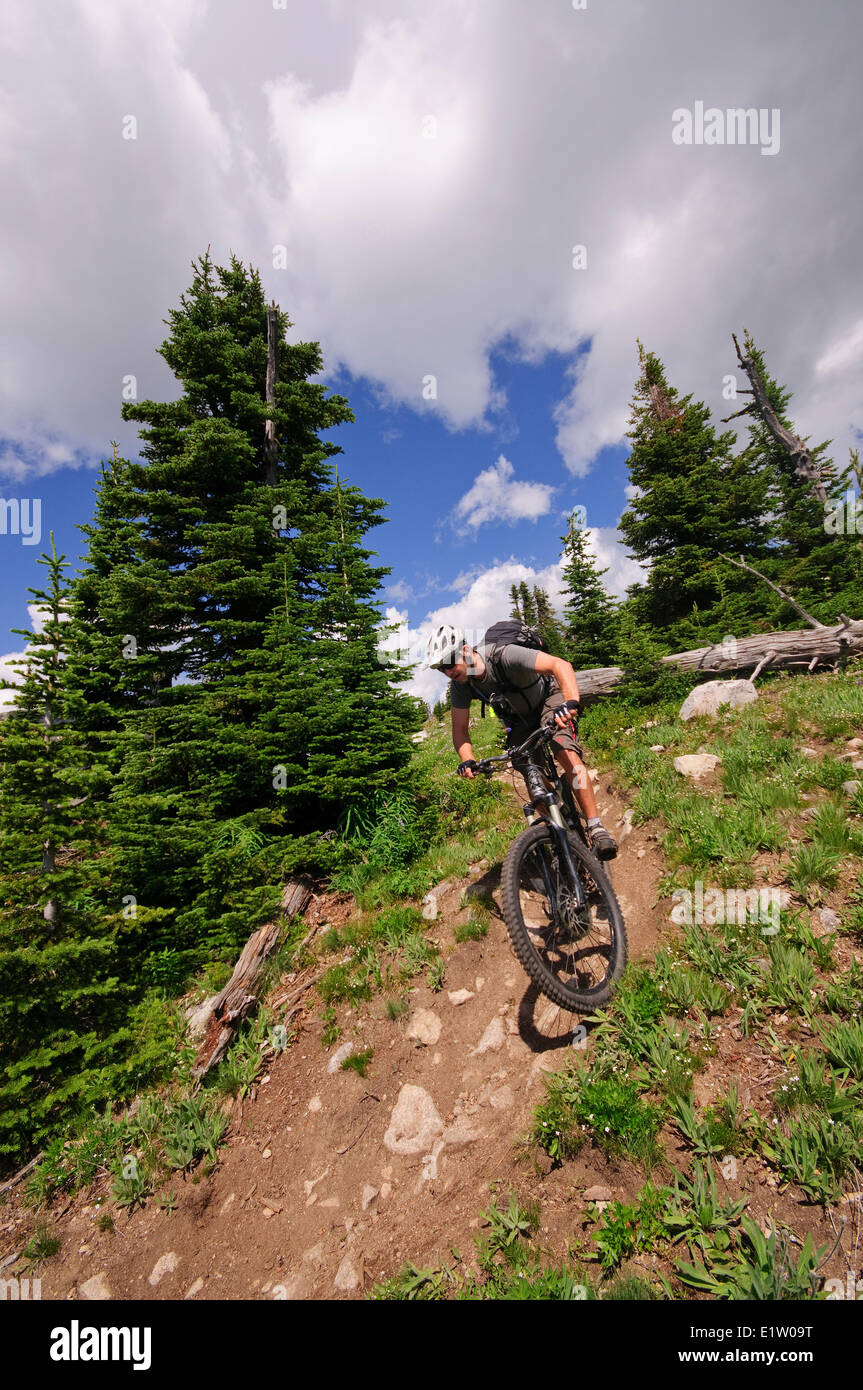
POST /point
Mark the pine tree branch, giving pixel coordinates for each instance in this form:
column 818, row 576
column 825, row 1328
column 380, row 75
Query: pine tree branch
column 741, row 564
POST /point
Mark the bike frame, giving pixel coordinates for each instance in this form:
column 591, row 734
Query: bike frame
column 535, row 778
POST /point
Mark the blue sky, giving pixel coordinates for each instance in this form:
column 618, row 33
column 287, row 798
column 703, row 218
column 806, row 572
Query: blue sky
column 423, row 470
column 414, row 182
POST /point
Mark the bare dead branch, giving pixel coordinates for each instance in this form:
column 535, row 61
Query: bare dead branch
column 804, row 464
column 741, row 564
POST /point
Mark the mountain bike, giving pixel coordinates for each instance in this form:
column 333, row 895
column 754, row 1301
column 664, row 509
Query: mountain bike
column 562, row 916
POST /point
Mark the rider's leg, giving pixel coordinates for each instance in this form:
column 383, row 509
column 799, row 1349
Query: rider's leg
column 602, row 842
column 580, row 782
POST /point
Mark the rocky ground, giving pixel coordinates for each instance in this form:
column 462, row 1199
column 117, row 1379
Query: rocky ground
column 329, row 1181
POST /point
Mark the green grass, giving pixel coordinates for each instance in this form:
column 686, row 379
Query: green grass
column 610, row 1110
column 759, row 1268
column 628, row 1230
column 41, row 1245
column 359, row 1061
column 474, row 929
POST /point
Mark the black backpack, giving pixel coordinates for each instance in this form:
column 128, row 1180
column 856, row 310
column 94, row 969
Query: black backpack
column 511, row 632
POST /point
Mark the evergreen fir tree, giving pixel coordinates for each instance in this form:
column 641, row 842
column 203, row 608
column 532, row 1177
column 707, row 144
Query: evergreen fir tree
column 235, row 623
column 61, row 1004
column 527, row 604
column 589, row 612
column 693, row 500
column 819, row 566
column 547, row 624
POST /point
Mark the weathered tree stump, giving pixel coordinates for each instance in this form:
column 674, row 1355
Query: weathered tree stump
column 240, row 995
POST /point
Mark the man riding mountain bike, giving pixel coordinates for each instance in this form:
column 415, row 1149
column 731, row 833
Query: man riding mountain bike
column 526, row 688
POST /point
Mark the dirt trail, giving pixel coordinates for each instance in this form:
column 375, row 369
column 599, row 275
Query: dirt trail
column 309, row 1199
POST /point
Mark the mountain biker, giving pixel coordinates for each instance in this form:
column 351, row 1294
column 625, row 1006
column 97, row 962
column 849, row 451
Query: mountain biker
column 539, row 689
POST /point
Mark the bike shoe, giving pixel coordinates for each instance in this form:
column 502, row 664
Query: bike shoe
column 603, row 845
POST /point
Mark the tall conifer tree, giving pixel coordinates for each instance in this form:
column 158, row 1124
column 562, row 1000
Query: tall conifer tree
column 234, row 612
column 693, row 498
column 589, row 612
column 61, row 1004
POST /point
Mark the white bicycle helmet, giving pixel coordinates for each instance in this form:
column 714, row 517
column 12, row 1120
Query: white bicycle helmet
column 444, row 646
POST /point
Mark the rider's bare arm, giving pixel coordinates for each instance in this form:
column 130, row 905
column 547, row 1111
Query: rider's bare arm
column 562, row 671
column 460, row 738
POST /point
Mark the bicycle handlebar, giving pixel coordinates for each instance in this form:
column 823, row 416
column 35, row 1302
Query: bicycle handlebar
column 545, row 732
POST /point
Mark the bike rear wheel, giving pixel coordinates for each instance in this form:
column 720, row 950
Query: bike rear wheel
column 574, row 957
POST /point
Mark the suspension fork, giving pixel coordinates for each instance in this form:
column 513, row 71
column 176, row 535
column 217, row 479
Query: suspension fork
column 558, row 831
column 557, row 827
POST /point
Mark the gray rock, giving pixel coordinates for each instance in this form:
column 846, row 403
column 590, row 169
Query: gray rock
column 502, row 1098
column 430, row 909
column 335, row 1062
column 95, row 1288
column 425, row 1027
column 166, row 1264
column 492, row 1039
column 461, row 1133
column 459, row 996
column 598, row 1193
column 369, row 1195
column 829, row 921
column 852, row 787
column 347, row 1279
column 294, row 1286
column 696, row 765
column 657, row 747
column 712, row 695
column 414, row 1122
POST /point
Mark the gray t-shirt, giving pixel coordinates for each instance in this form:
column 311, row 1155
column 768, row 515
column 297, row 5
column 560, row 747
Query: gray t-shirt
column 523, row 687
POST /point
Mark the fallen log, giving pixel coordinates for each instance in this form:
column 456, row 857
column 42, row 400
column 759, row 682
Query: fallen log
column 241, row 994
column 804, row 647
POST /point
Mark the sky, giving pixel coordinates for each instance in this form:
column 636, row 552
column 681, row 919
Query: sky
column 476, row 207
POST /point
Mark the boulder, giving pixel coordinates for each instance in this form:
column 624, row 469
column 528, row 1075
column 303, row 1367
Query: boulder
column 709, row 697
column 414, row 1123
column 696, row 765
column 430, row 910
column 425, row 1027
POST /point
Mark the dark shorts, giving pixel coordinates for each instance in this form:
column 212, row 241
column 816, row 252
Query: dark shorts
column 562, row 739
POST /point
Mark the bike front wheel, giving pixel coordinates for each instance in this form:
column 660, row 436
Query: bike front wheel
column 575, row 956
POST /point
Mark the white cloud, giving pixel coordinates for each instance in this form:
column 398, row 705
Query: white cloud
column 10, row 671
column 496, row 496
column 845, row 353
column 400, row 592
column 412, row 256
column 487, row 600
